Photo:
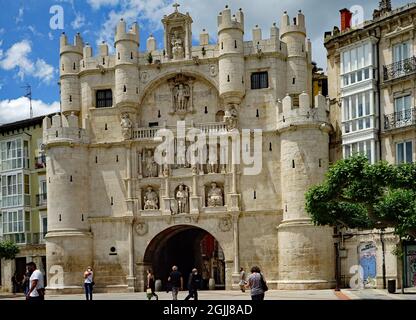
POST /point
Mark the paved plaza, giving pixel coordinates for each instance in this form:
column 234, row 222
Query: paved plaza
column 344, row 294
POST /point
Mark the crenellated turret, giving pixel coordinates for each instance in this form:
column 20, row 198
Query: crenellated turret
column 151, row 44
column 67, row 155
column 203, row 38
column 294, row 35
column 304, row 159
column 126, row 69
column 231, row 56
column 290, row 115
column 70, row 57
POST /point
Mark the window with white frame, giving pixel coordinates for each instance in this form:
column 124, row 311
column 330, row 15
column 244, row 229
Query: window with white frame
column 401, row 51
column 361, row 147
column 13, row 187
column 402, row 108
column 357, row 112
column 404, row 152
column 357, row 64
column 15, row 224
column 14, row 154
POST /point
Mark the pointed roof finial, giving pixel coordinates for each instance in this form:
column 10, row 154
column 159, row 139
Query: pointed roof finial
column 176, row 5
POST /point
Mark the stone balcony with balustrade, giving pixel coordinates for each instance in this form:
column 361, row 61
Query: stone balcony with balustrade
column 149, row 133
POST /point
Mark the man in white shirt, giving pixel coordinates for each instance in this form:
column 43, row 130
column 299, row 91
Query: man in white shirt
column 36, row 284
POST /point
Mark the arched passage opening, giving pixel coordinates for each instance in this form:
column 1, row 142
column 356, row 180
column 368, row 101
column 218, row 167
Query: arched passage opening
column 186, row 247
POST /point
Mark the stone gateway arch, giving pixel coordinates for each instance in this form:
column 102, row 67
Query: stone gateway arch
column 111, row 205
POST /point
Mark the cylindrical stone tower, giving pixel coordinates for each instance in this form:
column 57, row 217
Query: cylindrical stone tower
column 306, row 252
column 70, row 57
column 126, row 68
column 294, row 35
column 69, row 241
column 231, row 56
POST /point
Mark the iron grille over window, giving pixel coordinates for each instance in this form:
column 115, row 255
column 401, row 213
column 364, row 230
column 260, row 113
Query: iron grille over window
column 259, row 80
column 104, row 98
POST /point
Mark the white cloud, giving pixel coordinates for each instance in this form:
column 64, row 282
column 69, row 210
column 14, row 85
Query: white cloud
column 34, row 31
column 148, row 11
column 43, row 71
column 19, row 17
column 18, row 109
column 17, row 57
column 96, row 4
column 50, row 35
column 79, row 21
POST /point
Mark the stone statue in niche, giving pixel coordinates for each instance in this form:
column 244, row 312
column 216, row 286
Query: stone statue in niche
column 182, row 196
column 181, row 155
column 126, row 126
column 177, row 46
column 151, row 199
column 181, row 94
column 215, row 198
column 150, row 165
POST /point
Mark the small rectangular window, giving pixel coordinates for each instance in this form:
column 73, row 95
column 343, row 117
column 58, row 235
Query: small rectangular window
column 259, row 80
column 404, row 152
column 104, row 98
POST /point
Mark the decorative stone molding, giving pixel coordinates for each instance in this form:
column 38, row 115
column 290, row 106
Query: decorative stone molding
column 141, row 227
column 225, row 224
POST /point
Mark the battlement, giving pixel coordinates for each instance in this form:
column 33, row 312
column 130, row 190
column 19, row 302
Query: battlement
column 226, row 21
column 297, row 26
column 131, row 35
column 64, row 129
column 290, row 115
column 77, row 47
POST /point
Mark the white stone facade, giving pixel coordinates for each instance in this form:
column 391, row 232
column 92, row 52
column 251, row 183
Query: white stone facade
column 106, row 191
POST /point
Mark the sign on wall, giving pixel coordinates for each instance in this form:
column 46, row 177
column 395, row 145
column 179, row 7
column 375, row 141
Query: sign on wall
column 367, row 253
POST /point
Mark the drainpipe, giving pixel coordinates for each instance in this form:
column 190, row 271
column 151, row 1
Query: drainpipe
column 378, row 31
column 384, row 258
column 378, row 93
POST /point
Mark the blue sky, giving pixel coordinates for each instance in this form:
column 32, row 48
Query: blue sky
column 29, row 47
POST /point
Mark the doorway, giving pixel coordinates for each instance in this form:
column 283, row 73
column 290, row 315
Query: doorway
column 186, row 247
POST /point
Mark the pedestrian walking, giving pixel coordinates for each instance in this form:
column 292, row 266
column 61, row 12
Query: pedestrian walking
column 25, row 282
column 243, row 281
column 176, row 282
column 15, row 283
column 36, row 283
column 257, row 284
column 151, row 285
column 88, row 283
column 194, row 283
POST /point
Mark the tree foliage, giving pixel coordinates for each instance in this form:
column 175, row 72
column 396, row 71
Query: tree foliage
column 8, row 250
column 356, row 194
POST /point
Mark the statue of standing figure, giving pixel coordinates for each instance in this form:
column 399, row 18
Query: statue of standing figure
column 231, row 118
column 181, row 97
column 177, row 46
column 151, row 200
column 215, row 198
column 182, row 196
column 150, row 165
column 126, row 126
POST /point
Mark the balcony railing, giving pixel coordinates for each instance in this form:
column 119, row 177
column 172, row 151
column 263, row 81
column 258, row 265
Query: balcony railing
column 150, row 132
column 40, row 162
column 399, row 69
column 400, row 119
column 25, row 238
column 41, row 199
